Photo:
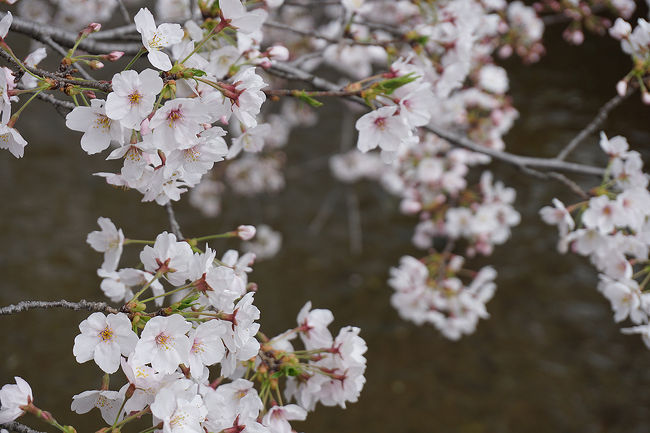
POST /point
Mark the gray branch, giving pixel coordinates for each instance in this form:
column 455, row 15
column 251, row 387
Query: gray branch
column 286, row 71
column 77, row 306
column 39, row 32
column 62, row 51
column 176, row 228
column 18, row 428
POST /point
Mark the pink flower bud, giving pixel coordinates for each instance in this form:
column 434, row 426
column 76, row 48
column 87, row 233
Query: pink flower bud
column 246, row 233
column 113, row 56
column 621, row 88
column 505, row 51
column 90, row 94
column 279, row 52
column 95, row 64
column 90, row 28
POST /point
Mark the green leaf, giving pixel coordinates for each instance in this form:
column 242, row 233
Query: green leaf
column 388, row 86
column 304, row 97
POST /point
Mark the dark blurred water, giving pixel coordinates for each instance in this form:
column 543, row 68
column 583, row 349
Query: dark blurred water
column 550, row 358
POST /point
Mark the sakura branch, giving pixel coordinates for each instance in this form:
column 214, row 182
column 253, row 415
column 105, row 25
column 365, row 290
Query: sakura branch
column 188, row 112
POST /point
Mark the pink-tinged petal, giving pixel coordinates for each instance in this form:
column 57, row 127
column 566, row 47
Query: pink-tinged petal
column 160, row 60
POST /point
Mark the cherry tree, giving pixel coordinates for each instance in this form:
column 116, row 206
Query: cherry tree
column 203, row 100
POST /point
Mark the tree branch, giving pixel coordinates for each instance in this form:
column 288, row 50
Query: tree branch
column 62, row 51
column 176, row 228
column 595, row 123
column 18, row 428
column 38, row 31
column 286, row 71
column 77, row 306
column 104, row 86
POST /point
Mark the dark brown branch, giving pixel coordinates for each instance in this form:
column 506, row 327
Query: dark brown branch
column 595, row 123
column 286, row 71
column 17, row 427
column 104, row 86
column 77, row 306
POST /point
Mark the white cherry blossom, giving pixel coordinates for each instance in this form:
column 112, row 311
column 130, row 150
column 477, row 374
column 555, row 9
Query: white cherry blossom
column 104, row 339
column 155, row 38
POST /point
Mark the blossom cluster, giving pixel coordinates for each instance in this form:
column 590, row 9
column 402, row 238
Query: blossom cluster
column 612, row 229
column 211, row 320
column 432, row 291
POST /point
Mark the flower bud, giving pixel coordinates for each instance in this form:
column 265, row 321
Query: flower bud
column 113, row 56
column 95, row 64
column 279, row 52
column 90, row 28
column 621, row 88
column 246, row 233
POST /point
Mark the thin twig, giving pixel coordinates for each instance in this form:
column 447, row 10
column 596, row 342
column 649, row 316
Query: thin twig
column 18, row 428
column 116, row 33
column 595, row 123
column 48, row 97
column 59, row 49
column 324, row 212
column 568, row 182
column 77, row 306
column 176, row 228
column 124, row 11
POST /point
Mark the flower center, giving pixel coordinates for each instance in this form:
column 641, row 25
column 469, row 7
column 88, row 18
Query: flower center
column 163, row 340
column 106, row 334
column 134, row 98
column 197, row 346
column 102, row 121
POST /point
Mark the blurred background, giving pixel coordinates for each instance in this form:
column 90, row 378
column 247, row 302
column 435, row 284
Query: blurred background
column 550, row 358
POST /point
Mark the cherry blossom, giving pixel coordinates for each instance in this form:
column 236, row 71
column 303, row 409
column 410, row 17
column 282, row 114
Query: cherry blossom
column 108, row 402
column 109, row 241
column 133, row 96
column 164, row 343
column 12, row 398
column 104, row 339
column 154, row 38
